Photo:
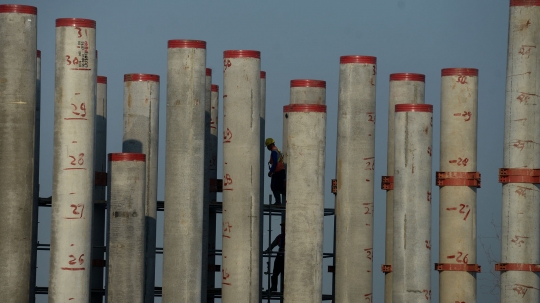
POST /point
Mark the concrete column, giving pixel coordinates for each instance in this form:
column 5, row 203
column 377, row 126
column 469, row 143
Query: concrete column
column 207, row 193
column 520, row 239
column 184, row 171
column 212, row 149
column 262, row 171
column 73, row 163
column 126, row 228
column 404, row 88
column 241, row 176
column 18, row 29
column 141, row 135
column 457, row 206
column 355, row 174
column 100, row 190
column 302, row 91
column 305, row 192
column 412, row 203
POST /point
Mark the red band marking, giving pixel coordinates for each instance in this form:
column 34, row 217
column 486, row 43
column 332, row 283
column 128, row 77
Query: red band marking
column 80, row 68
column 127, row 157
column 242, row 54
column 263, row 75
column 17, row 8
column 208, row 72
column 308, row 83
column 524, row 2
column 407, row 77
column 215, row 88
column 186, row 44
column 459, row 72
column 74, row 268
column 458, row 267
column 102, row 79
column 141, row 77
column 75, row 22
column 519, row 175
column 357, row 59
column 517, row 267
column 305, row 108
column 426, row 108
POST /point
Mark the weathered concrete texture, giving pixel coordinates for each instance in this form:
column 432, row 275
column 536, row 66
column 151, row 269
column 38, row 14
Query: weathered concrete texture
column 457, row 206
column 141, row 135
column 520, row 239
column 241, row 165
column 404, row 88
column 412, row 203
column 355, row 174
column 17, row 126
column 206, row 187
column 100, row 190
column 126, row 228
column 303, row 91
column 184, row 171
column 73, row 163
column 305, row 192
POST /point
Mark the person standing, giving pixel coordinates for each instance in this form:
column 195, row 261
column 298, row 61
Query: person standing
column 277, row 171
column 279, row 262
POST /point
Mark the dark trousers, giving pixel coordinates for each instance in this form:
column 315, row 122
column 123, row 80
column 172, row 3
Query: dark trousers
column 279, row 264
column 278, row 186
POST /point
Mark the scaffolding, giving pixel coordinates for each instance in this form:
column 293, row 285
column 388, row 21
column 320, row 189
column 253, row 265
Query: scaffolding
column 269, row 211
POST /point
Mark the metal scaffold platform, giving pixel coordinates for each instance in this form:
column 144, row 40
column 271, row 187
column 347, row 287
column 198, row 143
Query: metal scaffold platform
column 269, row 211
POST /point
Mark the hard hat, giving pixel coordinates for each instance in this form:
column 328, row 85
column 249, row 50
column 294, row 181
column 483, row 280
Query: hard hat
column 269, row 141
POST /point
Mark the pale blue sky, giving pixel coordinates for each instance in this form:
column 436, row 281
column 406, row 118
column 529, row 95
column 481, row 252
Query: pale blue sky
column 302, row 39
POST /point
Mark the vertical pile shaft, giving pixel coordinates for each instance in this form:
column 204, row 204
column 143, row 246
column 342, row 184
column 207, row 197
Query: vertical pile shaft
column 206, row 186
column 211, row 148
column 306, row 139
column 355, row 173
column 126, row 228
column 141, row 131
column 404, row 88
column 18, row 29
column 457, row 207
column 100, row 168
column 73, row 162
column 412, row 203
column 184, row 171
column 520, row 240
column 241, row 165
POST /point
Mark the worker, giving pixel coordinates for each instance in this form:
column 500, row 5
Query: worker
column 279, row 262
column 277, row 171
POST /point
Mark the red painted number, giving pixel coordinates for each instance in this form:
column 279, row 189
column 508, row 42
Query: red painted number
column 427, row 293
column 462, row 80
column 80, row 161
column 73, row 260
column 369, row 253
column 227, row 136
column 79, row 34
column 464, row 209
column 80, row 111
